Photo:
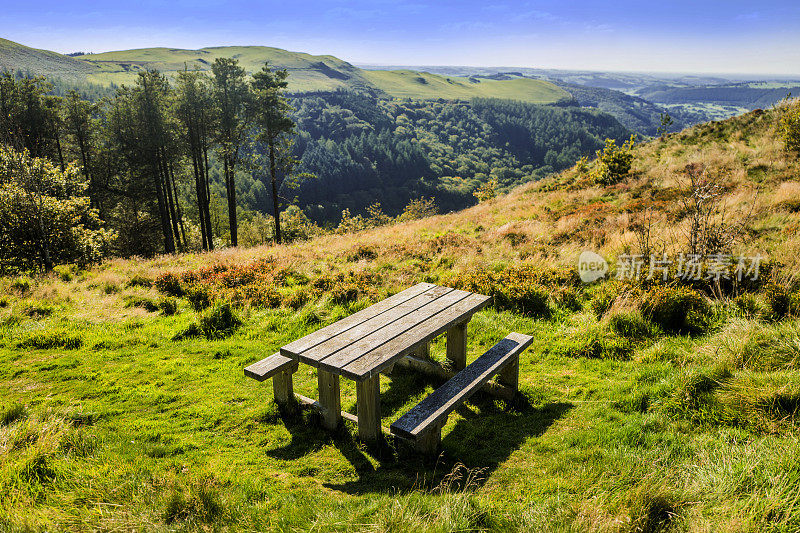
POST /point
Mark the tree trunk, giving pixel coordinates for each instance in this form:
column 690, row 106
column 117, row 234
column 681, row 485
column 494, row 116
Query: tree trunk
column 231, row 185
column 275, row 201
column 169, row 243
column 208, row 196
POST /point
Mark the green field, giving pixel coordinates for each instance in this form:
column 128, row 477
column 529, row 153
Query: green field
column 307, row 73
column 424, row 85
column 123, row 408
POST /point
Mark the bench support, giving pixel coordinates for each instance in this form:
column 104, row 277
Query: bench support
column 457, row 346
column 509, row 376
column 329, row 399
column 369, row 408
column 283, row 389
column 429, row 443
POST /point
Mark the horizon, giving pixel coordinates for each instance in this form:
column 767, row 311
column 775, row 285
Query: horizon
column 709, row 38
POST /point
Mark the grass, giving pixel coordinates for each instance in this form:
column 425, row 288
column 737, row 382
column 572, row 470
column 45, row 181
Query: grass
column 307, row 73
column 622, row 425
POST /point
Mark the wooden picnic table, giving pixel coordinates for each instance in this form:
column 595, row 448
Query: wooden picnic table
column 372, row 340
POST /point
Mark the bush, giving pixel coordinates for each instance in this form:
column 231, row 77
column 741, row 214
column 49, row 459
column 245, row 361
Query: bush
column 216, row 323
column 603, row 297
column 132, row 300
column 749, row 305
column 110, row 288
column 630, row 325
column 12, row 413
column 780, row 300
column 21, row 284
column 169, row 284
column 789, row 127
column 594, row 341
column 37, row 310
column 168, row 306
column 529, row 299
column 678, row 309
column 64, row 272
column 199, row 297
column 140, row 281
column 613, row 162
column 51, row 339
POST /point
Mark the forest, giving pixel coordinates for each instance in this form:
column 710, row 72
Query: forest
column 193, row 161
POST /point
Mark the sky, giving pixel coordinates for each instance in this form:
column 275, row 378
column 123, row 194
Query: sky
column 732, row 36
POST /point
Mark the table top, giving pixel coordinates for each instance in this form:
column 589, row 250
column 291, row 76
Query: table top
column 365, row 343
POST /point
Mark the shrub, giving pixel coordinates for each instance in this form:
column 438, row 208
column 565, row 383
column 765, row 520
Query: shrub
column 133, row 300
column 21, row 284
column 37, row 310
column 529, row 299
column 51, row 339
column 749, row 305
column 295, row 299
column 362, row 251
column 168, row 306
column 169, row 284
column 613, row 162
column 603, row 297
column 789, row 127
column 569, row 299
column 779, row 299
column 140, row 281
column 678, row 309
column 64, row 272
column 630, row 325
column 11, row 413
column 199, row 297
column 218, row 322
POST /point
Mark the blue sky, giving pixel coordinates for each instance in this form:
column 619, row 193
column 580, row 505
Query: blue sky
column 682, row 36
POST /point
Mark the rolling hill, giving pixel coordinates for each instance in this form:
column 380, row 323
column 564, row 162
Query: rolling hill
column 112, row 416
column 307, row 73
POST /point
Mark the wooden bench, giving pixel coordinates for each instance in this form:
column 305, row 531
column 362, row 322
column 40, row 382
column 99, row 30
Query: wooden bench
column 423, row 424
column 280, row 369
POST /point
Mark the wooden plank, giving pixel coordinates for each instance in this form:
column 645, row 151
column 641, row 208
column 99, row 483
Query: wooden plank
column 457, row 345
column 305, row 400
column 381, row 356
column 268, row 367
column 509, row 376
column 348, row 338
column 369, row 408
column 294, row 349
column 329, row 399
column 434, row 409
column 383, row 335
column 433, row 368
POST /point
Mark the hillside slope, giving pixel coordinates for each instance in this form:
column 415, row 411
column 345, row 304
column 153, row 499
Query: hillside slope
column 14, row 56
column 307, row 73
column 123, row 407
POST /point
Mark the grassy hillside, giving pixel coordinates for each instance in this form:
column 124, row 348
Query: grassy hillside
column 424, row 85
column 15, row 56
column 307, row 73
column 115, row 416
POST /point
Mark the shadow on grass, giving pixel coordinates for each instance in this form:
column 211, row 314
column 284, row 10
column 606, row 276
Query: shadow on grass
column 487, row 435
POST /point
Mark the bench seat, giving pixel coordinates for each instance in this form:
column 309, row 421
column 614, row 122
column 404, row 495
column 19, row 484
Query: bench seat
column 280, row 368
column 423, row 423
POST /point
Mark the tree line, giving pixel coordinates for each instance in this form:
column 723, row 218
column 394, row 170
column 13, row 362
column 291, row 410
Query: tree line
column 137, row 149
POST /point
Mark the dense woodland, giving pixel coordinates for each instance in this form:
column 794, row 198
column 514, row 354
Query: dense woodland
column 192, row 162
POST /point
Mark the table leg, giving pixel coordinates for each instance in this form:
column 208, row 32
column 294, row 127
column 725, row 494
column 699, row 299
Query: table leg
column 457, row 345
column 329, row 398
column 369, row 408
column 283, row 390
column 424, row 351
column 509, row 376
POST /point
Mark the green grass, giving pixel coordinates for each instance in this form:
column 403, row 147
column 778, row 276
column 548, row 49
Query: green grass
column 423, row 85
column 307, row 72
column 133, row 428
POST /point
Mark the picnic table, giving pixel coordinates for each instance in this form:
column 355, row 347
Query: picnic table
column 372, row 340
column 397, row 330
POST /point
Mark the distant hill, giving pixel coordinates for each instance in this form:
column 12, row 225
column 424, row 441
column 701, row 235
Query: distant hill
column 307, row 73
column 14, row 56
